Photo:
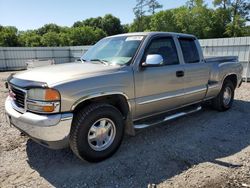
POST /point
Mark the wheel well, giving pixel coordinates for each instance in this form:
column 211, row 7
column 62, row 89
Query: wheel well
column 233, row 79
column 117, row 100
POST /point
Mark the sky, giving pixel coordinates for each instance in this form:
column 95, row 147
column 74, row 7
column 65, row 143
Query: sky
column 32, row 14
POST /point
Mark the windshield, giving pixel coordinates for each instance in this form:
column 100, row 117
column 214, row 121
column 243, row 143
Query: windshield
column 114, row 50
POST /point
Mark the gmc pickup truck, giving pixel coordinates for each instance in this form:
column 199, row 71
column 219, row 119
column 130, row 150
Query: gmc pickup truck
column 123, row 83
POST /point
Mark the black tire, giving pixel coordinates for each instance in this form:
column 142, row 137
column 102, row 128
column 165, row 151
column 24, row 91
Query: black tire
column 218, row 102
column 84, row 120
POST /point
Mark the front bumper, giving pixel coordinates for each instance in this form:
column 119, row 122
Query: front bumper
column 49, row 130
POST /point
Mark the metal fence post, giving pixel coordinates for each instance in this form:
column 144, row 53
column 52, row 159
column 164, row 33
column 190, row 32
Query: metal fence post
column 248, row 63
column 5, row 59
column 69, row 54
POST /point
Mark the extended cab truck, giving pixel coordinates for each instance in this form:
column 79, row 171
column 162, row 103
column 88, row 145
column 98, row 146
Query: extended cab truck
column 123, row 83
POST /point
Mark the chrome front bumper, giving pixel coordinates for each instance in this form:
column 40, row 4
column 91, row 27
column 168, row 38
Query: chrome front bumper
column 49, row 130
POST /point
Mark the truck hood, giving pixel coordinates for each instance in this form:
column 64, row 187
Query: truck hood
column 54, row 74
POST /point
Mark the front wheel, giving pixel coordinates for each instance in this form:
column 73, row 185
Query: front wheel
column 225, row 98
column 96, row 132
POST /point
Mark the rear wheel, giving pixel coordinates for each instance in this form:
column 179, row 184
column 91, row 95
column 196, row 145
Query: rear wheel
column 96, row 132
column 225, row 98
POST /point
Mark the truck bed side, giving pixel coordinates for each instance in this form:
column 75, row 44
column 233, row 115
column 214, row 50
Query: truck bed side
column 220, row 68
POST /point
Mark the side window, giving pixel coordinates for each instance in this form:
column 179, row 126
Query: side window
column 164, row 47
column 189, row 50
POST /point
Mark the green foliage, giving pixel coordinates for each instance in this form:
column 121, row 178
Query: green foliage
column 110, row 24
column 228, row 18
column 235, row 28
column 50, row 39
column 140, row 24
column 246, row 31
column 201, row 25
column 163, row 21
column 49, row 28
column 92, row 22
column 29, row 39
column 85, row 35
column 236, row 14
column 142, row 21
column 8, row 36
column 153, row 5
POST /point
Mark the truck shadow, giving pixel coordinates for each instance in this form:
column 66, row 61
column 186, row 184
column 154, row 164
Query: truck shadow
column 153, row 155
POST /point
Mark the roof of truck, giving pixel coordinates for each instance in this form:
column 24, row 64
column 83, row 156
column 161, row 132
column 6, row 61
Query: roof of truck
column 154, row 33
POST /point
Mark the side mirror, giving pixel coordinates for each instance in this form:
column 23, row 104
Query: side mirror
column 153, row 60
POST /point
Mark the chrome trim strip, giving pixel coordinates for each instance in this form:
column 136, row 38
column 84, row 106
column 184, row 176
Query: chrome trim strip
column 212, row 86
column 172, row 96
column 171, row 117
column 165, row 111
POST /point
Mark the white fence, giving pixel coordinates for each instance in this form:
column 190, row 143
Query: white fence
column 12, row 58
column 15, row 58
column 239, row 46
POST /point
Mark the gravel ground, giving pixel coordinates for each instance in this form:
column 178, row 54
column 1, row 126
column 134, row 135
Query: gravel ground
column 206, row 149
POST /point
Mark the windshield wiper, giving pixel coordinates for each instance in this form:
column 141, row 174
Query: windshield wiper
column 105, row 62
column 82, row 60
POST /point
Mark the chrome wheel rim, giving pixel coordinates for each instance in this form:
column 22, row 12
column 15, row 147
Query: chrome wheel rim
column 227, row 96
column 101, row 134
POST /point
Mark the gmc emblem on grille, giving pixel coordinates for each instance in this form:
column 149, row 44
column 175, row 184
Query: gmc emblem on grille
column 12, row 95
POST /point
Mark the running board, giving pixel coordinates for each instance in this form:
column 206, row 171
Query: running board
column 171, row 117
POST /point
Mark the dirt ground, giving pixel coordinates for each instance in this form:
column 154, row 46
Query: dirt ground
column 205, row 149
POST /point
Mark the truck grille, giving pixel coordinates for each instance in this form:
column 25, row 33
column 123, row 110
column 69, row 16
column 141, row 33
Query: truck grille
column 19, row 97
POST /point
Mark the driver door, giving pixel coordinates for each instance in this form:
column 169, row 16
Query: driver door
column 159, row 88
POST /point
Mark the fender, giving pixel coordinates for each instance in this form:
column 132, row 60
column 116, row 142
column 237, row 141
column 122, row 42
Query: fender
column 92, row 96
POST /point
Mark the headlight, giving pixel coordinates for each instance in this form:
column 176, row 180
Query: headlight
column 43, row 100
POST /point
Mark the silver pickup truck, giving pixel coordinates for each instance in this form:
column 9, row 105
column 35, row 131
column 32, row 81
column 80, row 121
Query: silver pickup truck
column 123, row 83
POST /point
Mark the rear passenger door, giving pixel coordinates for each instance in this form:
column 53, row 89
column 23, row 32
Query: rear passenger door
column 196, row 71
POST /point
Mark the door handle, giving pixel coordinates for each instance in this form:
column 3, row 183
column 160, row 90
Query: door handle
column 179, row 73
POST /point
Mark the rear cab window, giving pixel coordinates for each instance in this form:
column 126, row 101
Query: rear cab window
column 189, row 50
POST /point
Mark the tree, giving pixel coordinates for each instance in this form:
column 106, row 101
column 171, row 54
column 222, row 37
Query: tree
column 8, row 36
column 50, row 39
column 111, row 25
column 224, row 4
column 246, row 31
column 236, row 14
column 64, row 36
column 163, row 21
column 236, row 27
column 144, row 23
column 139, row 11
column 220, row 19
column 99, row 34
column 200, row 25
column 240, row 14
column 183, row 19
column 77, row 24
column 93, row 22
column 125, row 28
column 153, row 5
column 49, row 28
column 85, row 36
column 29, row 39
